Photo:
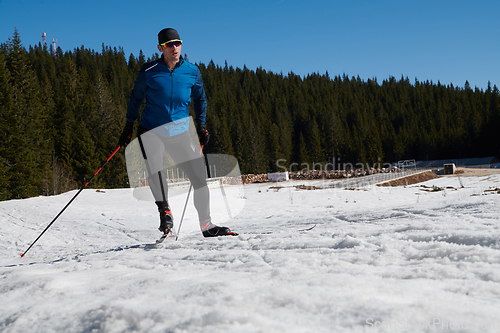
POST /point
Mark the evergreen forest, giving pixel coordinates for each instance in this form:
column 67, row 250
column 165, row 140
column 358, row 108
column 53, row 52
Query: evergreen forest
column 61, row 114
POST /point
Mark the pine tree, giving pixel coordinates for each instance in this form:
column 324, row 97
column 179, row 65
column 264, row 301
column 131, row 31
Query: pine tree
column 83, row 153
column 275, row 152
column 68, row 101
column 6, row 105
column 302, row 153
column 316, row 153
column 257, row 145
column 27, row 152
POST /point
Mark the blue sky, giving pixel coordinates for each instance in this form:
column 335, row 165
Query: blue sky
column 449, row 41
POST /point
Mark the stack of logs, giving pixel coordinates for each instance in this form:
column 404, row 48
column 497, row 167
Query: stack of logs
column 314, row 174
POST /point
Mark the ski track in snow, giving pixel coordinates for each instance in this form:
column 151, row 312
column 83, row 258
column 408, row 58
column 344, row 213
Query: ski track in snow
column 379, row 260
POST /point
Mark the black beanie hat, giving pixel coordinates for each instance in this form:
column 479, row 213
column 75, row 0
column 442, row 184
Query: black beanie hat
column 167, row 35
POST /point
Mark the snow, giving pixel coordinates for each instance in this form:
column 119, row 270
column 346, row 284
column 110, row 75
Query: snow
column 378, row 260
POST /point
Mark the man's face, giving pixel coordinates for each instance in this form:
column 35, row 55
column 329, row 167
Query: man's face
column 171, row 52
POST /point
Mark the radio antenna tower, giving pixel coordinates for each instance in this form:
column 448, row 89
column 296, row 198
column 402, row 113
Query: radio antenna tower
column 54, row 41
column 44, row 40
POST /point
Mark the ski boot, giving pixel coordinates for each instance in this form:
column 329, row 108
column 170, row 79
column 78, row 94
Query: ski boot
column 212, row 230
column 166, row 218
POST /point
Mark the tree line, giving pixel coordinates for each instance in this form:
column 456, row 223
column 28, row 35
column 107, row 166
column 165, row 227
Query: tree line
column 62, row 114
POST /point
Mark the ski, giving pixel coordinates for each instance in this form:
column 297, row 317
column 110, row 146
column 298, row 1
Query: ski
column 165, row 236
column 308, row 229
column 273, row 232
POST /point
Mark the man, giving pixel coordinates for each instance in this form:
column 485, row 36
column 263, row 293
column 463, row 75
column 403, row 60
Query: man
column 167, row 85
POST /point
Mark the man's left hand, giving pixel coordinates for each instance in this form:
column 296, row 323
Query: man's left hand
column 203, row 135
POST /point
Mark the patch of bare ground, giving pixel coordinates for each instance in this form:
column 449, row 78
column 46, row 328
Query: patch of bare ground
column 413, row 179
column 298, row 187
column 304, row 187
column 468, row 172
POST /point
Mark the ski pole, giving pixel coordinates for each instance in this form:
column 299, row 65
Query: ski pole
column 185, row 204
column 184, row 211
column 74, row 197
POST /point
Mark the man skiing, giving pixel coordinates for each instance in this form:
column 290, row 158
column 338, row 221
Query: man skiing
column 168, row 85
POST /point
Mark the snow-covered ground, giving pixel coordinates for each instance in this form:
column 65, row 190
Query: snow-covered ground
column 379, row 260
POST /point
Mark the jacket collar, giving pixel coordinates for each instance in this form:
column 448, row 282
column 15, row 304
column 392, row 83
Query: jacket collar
column 162, row 61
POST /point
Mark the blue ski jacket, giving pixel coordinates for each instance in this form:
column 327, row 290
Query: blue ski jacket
column 167, row 93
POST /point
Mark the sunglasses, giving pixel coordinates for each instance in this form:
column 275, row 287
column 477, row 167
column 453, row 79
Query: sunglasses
column 172, row 43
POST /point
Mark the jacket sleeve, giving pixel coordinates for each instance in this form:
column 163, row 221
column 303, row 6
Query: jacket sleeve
column 199, row 100
column 137, row 96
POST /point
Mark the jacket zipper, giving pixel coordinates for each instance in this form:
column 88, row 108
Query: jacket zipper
column 171, row 93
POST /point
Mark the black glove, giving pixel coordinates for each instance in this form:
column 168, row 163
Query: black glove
column 203, row 134
column 126, row 134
